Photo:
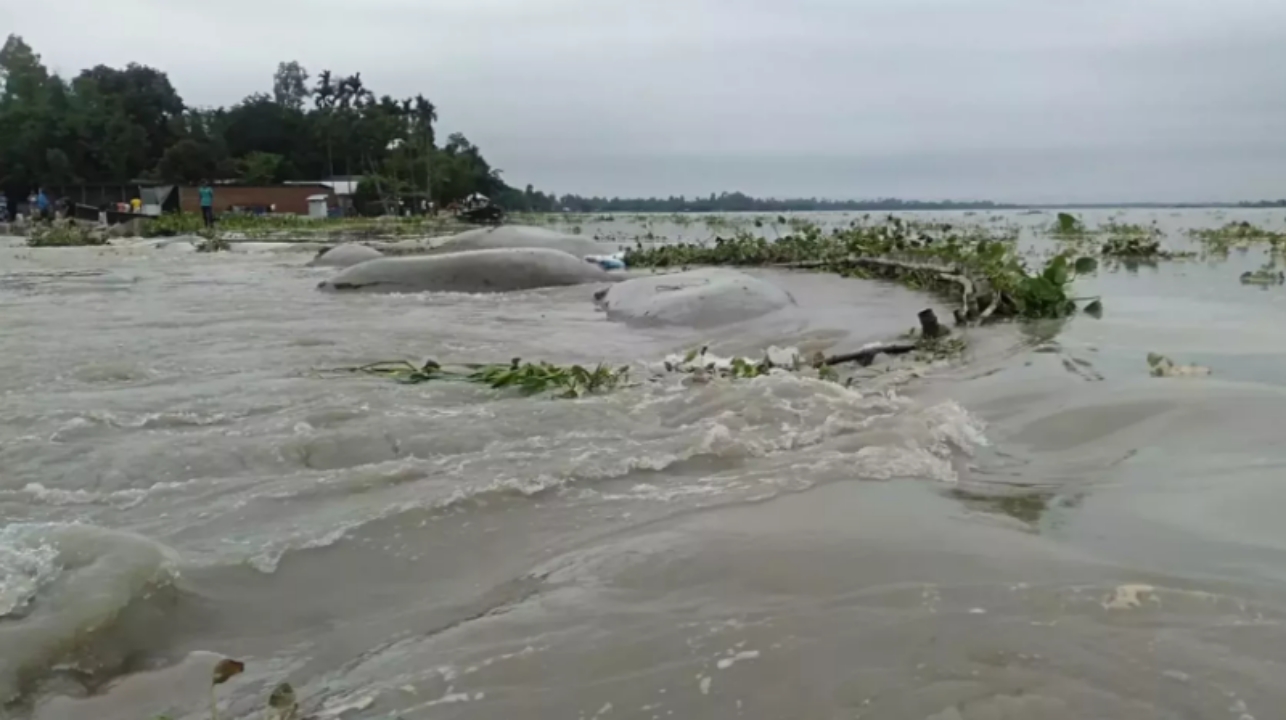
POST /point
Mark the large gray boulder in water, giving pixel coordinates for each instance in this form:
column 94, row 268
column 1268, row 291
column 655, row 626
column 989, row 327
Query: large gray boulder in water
column 479, row 271
column 701, row 298
column 346, row 255
column 519, row 236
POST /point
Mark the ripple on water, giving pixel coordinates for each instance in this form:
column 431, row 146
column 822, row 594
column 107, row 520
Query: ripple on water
column 648, row 553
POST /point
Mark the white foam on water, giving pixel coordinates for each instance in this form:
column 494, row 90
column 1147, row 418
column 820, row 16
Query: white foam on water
column 726, row 662
column 879, row 436
column 126, row 498
column 69, row 581
column 28, row 562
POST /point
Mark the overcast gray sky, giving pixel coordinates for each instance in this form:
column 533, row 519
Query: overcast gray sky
column 1025, row 100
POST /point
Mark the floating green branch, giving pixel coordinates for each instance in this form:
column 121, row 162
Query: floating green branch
column 977, row 266
column 529, row 378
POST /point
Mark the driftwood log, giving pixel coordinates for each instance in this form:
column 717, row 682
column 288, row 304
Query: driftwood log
column 930, row 329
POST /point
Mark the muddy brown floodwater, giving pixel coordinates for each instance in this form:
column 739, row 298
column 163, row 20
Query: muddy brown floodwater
column 1039, row 532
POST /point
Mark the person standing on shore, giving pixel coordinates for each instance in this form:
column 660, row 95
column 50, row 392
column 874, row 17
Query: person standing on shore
column 206, row 193
column 43, row 211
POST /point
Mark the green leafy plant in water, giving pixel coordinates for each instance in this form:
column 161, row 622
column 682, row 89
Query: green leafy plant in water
column 699, row 363
column 1136, row 243
column 1238, row 234
column 1266, row 275
column 1068, row 224
column 530, row 378
column 172, row 224
column 65, row 233
column 979, row 265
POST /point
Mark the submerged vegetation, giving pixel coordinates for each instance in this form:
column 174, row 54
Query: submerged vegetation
column 1068, row 225
column 529, row 378
column 931, row 343
column 65, row 233
column 1238, row 234
column 978, row 267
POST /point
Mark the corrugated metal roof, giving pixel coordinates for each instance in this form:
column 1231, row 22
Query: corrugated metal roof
column 339, row 187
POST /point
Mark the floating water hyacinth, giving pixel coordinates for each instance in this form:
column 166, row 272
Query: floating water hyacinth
column 930, row 342
column 978, row 267
column 529, row 378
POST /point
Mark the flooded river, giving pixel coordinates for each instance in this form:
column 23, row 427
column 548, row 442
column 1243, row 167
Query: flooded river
column 1039, row 532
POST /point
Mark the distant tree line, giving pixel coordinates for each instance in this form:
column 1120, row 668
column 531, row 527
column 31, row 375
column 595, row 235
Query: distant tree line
column 121, row 125
column 732, row 202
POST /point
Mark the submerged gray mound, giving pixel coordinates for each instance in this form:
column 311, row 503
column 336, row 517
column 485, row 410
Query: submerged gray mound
column 701, row 298
column 478, row 271
column 346, row 255
column 519, row 236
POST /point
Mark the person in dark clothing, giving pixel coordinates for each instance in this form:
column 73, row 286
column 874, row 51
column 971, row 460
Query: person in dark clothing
column 206, row 193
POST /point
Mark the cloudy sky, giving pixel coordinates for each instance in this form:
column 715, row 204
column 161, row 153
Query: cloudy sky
column 1023, row 100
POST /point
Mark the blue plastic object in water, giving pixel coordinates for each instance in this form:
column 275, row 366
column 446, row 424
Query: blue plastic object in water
column 607, row 262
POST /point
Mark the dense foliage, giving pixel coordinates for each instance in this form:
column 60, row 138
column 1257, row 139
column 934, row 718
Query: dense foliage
column 121, row 125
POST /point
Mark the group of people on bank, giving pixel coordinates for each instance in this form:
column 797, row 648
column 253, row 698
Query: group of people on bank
column 41, row 207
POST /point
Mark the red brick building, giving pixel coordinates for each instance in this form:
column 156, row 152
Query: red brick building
column 287, row 198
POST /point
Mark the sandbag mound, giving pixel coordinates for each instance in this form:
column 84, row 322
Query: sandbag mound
column 478, row 271
column 519, row 236
column 346, row 255
column 701, row 298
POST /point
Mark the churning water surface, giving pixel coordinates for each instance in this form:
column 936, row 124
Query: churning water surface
column 1041, row 531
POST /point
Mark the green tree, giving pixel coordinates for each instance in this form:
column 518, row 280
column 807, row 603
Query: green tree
column 260, row 168
column 142, row 96
column 290, row 85
column 27, row 121
column 188, row 162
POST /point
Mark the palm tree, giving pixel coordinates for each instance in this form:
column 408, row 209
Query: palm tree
column 324, row 97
